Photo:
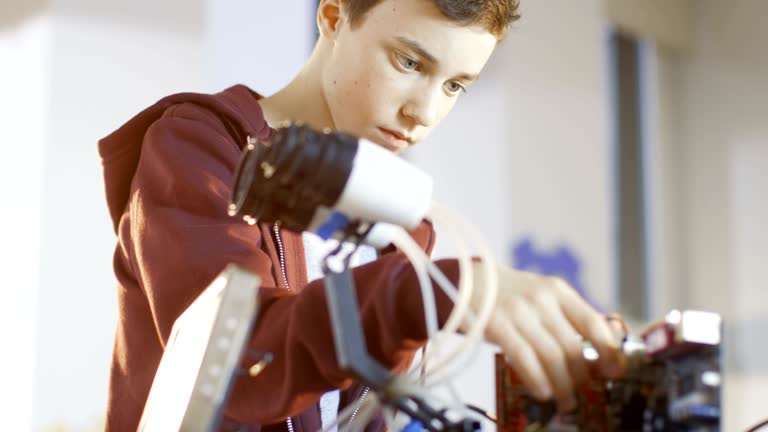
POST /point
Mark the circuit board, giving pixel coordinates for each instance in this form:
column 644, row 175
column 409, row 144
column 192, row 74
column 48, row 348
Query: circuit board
column 672, row 384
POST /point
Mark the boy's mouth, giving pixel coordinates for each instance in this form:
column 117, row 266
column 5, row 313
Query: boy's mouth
column 394, row 140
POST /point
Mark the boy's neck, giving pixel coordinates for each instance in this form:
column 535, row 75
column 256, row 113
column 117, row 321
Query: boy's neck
column 301, row 100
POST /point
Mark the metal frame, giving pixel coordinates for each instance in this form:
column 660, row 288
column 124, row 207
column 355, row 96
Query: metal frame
column 203, row 356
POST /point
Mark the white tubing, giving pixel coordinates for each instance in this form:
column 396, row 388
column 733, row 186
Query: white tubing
column 422, row 263
column 461, row 310
column 408, row 246
column 475, row 333
column 466, row 274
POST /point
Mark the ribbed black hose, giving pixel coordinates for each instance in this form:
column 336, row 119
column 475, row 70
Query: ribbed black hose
column 289, row 176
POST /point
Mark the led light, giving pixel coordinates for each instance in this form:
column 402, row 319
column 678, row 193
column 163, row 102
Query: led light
column 674, row 317
column 590, row 353
column 711, row 378
column 700, row 327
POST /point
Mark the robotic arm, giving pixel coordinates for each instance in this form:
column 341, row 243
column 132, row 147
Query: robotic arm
column 331, row 183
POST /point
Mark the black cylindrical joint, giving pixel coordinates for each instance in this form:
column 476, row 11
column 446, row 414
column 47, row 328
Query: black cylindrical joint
column 286, row 178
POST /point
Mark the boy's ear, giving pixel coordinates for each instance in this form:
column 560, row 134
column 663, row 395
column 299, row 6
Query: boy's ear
column 330, row 16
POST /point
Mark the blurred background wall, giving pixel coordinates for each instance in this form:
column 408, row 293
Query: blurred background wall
column 532, row 156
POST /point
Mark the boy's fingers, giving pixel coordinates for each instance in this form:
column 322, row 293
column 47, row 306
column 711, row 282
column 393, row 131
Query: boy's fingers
column 594, row 328
column 618, row 326
column 523, row 359
column 568, row 339
column 551, row 355
column 612, row 362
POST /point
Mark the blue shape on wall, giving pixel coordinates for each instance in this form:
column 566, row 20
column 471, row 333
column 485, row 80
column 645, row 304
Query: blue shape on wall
column 562, row 262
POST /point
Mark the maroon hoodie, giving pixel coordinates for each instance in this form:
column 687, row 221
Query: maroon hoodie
column 168, row 174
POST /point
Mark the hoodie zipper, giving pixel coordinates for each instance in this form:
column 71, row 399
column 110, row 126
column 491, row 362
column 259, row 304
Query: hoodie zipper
column 281, row 252
column 359, row 405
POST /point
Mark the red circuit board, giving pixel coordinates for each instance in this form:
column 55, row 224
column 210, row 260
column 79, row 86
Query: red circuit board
column 512, row 400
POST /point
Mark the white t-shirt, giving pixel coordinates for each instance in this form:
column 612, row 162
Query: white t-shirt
column 315, row 249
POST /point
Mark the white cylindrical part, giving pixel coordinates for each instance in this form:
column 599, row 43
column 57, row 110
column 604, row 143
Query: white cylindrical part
column 381, row 235
column 385, row 188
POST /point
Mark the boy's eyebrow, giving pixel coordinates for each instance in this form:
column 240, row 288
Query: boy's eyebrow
column 469, row 77
column 412, row 44
column 418, row 49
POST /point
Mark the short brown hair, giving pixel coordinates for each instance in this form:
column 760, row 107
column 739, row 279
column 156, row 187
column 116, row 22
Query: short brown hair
column 494, row 15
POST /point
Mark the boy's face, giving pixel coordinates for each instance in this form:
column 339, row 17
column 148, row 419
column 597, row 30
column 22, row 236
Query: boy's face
column 398, row 73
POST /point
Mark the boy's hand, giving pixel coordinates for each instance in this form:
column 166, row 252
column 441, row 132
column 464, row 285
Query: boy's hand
column 540, row 322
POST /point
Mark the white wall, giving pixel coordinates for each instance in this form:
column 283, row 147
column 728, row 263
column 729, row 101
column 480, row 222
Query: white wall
column 23, row 109
column 725, row 102
column 260, row 44
column 102, row 73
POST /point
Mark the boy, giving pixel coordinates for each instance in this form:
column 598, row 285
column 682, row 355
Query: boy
column 385, row 70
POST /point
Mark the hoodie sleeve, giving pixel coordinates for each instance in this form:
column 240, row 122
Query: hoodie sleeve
column 181, row 237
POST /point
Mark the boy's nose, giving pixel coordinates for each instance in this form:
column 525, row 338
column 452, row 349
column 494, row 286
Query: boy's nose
column 423, row 110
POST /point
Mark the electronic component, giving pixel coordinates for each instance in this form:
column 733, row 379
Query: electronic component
column 672, row 384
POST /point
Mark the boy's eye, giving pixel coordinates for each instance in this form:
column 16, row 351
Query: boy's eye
column 406, row 63
column 455, row 87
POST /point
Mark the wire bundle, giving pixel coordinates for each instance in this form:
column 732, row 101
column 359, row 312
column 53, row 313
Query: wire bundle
column 436, row 368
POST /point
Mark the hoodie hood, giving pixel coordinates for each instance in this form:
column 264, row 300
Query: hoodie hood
column 237, row 107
